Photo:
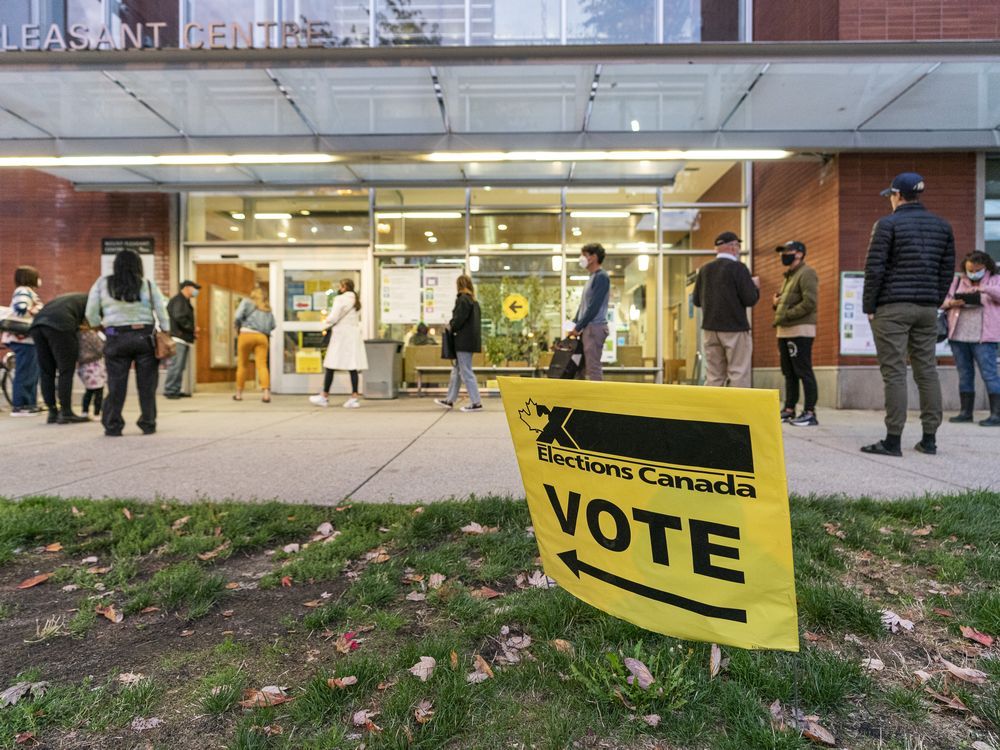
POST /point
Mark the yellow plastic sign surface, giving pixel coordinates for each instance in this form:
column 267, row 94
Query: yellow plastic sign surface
column 515, row 307
column 666, row 506
column 308, row 361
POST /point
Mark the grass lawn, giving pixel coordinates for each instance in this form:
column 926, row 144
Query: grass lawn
column 156, row 622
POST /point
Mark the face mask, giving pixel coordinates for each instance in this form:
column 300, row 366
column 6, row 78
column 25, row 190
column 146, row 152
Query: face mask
column 194, row 293
column 975, row 276
column 584, row 261
column 787, row 260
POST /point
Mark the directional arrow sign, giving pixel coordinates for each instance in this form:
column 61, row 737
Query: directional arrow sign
column 515, row 307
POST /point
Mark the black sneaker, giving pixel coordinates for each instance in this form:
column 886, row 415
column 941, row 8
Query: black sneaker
column 472, row 407
column 443, row 404
column 787, row 415
column 805, row 419
column 72, row 418
column 928, row 448
column 172, row 396
column 53, row 417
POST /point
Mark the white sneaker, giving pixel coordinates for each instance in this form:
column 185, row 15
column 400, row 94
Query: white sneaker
column 319, row 400
column 352, row 403
column 472, row 407
column 443, row 403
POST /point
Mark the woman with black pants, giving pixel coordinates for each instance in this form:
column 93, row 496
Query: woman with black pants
column 123, row 303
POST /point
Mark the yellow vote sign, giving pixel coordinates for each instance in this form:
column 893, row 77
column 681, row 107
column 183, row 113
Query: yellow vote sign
column 665, row 506
column 515, row 307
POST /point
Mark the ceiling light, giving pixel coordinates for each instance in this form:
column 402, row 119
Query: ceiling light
column 305, row 212
column 487, row 188
column 502, row 227
column 635, row 126
column 347, row 228
column 432, row 239
column 557, row 262
column 579, row 278
column 383, row 228
column 292, row 239
column 169, row 160
column 278, row 215
column 457, row 261
column 506, row 268
column 474, row 264
column 237, row 215
column 282, row 235
column 428, row 233
column 423, row 215
column 234, row 229
column 599, row 215
column 636, row 155
column 535, row 246
column 314, row 230
column 643, row 262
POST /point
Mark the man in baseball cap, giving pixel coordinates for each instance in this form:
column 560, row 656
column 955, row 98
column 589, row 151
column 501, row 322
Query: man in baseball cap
column 795, row 322
column 907, row 184
column 183, row 330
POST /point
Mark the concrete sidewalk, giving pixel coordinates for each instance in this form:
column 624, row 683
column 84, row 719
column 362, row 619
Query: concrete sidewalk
column 409, row 450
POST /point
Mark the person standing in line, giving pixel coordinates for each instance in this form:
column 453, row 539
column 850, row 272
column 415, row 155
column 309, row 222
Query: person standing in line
column 254, row 323
column 724, row 289
column 55, row 331
column 466, row 327
column 91, row 370
column 591, row 320
column 347, row 346
column 26, row 304
column 127, row 306
column 183, row 330
column 795, row 321
column 973, row 305
column 908, row 271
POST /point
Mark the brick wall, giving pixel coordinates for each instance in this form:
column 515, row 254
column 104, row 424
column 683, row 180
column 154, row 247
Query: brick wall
column 48, row 225
column 796, row 201
column 919, row 19
column 796, row 20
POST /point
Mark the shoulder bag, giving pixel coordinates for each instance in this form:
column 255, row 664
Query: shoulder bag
column 13, row 323
column 163, row 343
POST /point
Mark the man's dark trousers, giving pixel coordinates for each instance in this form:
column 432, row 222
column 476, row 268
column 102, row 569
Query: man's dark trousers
column 57, row 353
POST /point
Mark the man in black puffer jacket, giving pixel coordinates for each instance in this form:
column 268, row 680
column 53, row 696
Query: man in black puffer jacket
column 909, row 269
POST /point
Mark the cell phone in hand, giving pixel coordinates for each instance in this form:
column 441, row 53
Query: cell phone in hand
column 970, row 298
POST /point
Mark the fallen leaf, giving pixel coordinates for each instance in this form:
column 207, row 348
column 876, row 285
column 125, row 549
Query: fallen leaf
column 232, row 586
column 130, row 678
column 342, row 508
column 346, row 643
column 943, row 612
column 923, row 531
column 228, row 612
column 652, row 719
column 423, row 669
column 813, row 637
column 416, row 596
column 286, row 581
column 110, row 614
column 564, row 647
column 98, row 571
column 969, row 632
column 777, row 716
column 714, row 661
column 476, row 529
column 875, row 665
column 186, row 633
column 148, row 610
column 34, row 581
column 342, row 682
column 205, row 556
column 323, row 531
column 271, row 695
column 363, row 717
column 75, row 511
column 965, row 673
column 424, row 712
column 176, row 525
column 271, row 730
column 980, row 745
column 54, row 547
column 952, row 702
column 453, row 658
column 640, row 673
column 386, row 684
column 833, row 529
column 435, row 581
column 922, row 676
column 141, row 725
column 127, row 513
column 894, row 622
column 313, row 603
column 411, row 577
column 291, row 548
column 14, row 693
column 25, row 738
column 485, row 593
column 885, row 530
column 92, row 560
column 816, row 733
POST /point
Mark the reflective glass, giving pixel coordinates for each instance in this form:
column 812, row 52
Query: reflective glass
column 706, row 182
column 502, row 232
column 608, row 196
column 611, row 21
column 334, row 23
column 515, row 22
column 618, row 230
column 420, row 231
column 425, row 22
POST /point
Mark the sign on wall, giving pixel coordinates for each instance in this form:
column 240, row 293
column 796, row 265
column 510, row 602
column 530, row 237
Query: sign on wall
column 400, row 294
column 666, row 506
column 440, row 289
column 145, row 246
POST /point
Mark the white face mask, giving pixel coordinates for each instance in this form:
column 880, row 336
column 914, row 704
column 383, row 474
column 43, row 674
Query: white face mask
column 584, row 261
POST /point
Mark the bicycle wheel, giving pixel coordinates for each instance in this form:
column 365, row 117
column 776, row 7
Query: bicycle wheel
column 7, row 375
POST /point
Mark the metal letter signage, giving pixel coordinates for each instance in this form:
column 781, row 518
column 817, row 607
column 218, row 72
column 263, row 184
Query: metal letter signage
column 666, row 506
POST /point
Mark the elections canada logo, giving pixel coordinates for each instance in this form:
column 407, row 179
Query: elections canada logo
column 706, row 457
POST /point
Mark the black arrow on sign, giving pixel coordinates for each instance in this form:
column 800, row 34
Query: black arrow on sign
column 514, row 307
column 577, row 565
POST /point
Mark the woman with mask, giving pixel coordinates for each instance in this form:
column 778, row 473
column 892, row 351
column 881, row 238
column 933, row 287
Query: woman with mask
column 795, row 321
column 25, row 304
column 127, row 305
column 347, row 347
column 973, row 305
column 254, row 323
column 465, row 326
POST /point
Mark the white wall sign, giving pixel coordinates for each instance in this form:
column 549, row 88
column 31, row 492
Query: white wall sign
column 439, row 292
column 400, row 294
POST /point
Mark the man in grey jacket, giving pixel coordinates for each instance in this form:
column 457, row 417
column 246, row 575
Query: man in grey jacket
column 591, row 321
column 909, row 268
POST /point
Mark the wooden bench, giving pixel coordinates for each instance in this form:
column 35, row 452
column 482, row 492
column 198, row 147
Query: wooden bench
column 620, row 370
column 476, row 369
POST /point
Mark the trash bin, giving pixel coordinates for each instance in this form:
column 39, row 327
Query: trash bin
column 385, row 368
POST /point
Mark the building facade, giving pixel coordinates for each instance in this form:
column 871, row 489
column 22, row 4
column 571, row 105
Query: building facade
column 399, row 143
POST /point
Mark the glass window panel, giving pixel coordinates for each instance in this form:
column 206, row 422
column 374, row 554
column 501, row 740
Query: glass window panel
column 420, row 231
column 681, row 319
column 215, row 218
column 308, row 296
column 618, row 230
column 515, row 22
column 611, row 21
column 706, row 182
column 610, row 196
column 536, row 197
column 624, row 171
column 450, row 197
column 246, row 12
column 516, row 232
column 682, row 20
column 537, row 279
column 422, row 22
column 335, row 23
column 311, row 219
column 696, row 229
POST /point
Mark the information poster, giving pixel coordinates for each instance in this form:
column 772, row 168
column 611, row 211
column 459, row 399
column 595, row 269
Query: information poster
column 111, row 246
column 400, row 294
column 439, row 293
column 856, row 336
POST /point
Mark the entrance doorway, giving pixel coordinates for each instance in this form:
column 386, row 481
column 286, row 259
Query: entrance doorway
column 300, row 292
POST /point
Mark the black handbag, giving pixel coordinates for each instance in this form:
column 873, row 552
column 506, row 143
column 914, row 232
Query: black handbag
column 942, row 326
column 567, row 356
column 448, row 345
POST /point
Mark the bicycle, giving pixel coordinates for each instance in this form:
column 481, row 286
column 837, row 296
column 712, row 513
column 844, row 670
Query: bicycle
column 7, row 365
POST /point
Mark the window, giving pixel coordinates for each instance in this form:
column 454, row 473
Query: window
column 991, row 228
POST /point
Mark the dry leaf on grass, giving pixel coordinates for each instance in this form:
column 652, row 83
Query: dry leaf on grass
column 148, row 610
column 476, row 529
column 141, row 725
column 323, row 531
column 130, row 678
column 652, row 719
column 313, row 603
column 923, row 531
column 99, row 571
column 922, row 676
column 969, row 632
column 424, row 668
column 535, row 580
column 206, row 556
column 485, row 593
column 416, row 596
column 363, row 717
column 948, row 701
column 435, row 581
column 424, row 712
column 386, row 684
column 291, row 549
column 377, row 556
column 640, row 673
column 228, row 612
column 453, row 660
column 833, row 529
column 232, row 586
column 814, row 732
column 34, row 581
column 563, row 647
column 980, row 745
column 271, row 730
column 270, row 695
column 92, row 560
column 943, row 612
column 127, row 513
column 176, row 525
column 286, row 581
column 342, row 682
column 875, row 665
column 54, row 547
column 186, row 633
column 714, row 661
column 964, row 673
column 25, row 738
column 346, row 643
column 75, row 511
column 110, row 614
column 777, row 716
column 14, row 693
column 483, row 671
column 893, row 622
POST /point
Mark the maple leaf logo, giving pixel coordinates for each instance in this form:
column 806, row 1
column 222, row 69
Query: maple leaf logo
column 534, row 417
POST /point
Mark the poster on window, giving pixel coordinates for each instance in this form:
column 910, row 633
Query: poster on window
column 440, row 290
column 855, row 329
column 400, row 294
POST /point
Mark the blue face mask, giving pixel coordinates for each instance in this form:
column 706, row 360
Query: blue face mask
column 975, row 275
column 194, row 293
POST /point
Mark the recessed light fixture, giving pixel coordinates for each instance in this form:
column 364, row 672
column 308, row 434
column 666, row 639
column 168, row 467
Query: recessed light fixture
column 502, row 227
column 474, row 264
column 314, row 230
column 383, row 228
column 487, row 188
column 292, row 239
column 237, row 215
column 282, row 235
column 305, row 212
column 428, row 233
column 506, row 268
column 432, row 239
column 422, row 215
column 348, row 228
column 643, row 262
column 275, row 215
column 635, row 126
column 234, row 229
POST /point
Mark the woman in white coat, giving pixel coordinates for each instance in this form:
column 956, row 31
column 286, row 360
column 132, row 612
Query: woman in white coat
column 347, row 348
